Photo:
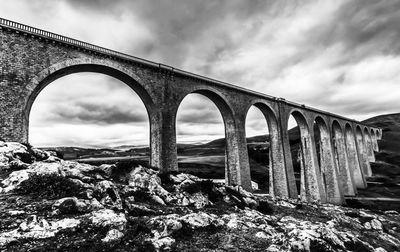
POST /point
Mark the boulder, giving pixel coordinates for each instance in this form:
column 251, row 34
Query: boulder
column 112, row 236
column 42, row 168
column 148, row 181
column 14, row 180
column 376, row 224
column 140, row 210
column 161, row 229
column 198, row 200
column 17, row 164
column 108, row 218
column 4, row 161
column 164, row 225
column 70, row 205
column 163, row 244
column 13, row 149
column 39, row 154
column 107, row 169
column 34, row 229
column 201, row 220
column 108, row 194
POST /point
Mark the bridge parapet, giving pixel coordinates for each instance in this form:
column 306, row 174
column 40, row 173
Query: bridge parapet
column 18, row 27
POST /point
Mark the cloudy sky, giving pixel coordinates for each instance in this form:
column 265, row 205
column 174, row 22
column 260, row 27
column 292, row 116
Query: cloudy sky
column 340, row 56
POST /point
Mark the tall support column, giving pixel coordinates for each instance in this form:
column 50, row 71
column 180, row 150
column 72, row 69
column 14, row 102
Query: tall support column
column 162, row 115
column 342, row 162
column 278, row 180
column 362, row 154
column 375, row 142
column 313, row 187
column 369, row 147
column 163, row 151
column 354, row 161
column 237, row 152
column 282, row 120
column 330, row 176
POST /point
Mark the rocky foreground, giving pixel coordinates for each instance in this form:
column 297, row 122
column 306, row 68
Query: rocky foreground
column 49, row 204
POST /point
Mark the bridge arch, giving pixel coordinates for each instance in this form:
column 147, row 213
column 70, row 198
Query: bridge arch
column 58, row 70
column 374, row 138
column 327, row 166
column 64, row 68
column 233, row 173
column 342, row 159
column 353, row 157
column 276, row 170
column 378, row 134
column 362, row 151
column 311, row 188
column 369, row 145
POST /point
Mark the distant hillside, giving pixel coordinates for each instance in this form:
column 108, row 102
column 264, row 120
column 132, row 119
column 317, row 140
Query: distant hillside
column 390, row 125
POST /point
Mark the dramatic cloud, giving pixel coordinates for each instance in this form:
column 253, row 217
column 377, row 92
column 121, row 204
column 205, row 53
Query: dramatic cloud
column 342, row 56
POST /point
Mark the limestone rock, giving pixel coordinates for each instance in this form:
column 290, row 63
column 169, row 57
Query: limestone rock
column 14, row 180
column 199, row 200
column 34, row 229
column 4, row 161
column 39, row 154
column 16, row 212
column 261, row 235
column 140, row 210
column 113, row 235
column 108, row 194
column 108, row 218
column 13, row 149
column 147, row 180
column 376, row 224
column 273, row 248
column 107, row 169
column 163, row 244
column 157, row 200
column 17, row 164
column 161, row 228
column 70, row 205
column 201, row 220
column 42, row 168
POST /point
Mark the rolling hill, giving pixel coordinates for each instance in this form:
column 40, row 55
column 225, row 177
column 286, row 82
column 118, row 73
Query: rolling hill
column 390, row 125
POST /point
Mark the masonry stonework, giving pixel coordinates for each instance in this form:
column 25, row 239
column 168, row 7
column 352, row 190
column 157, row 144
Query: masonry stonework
column 32, row 58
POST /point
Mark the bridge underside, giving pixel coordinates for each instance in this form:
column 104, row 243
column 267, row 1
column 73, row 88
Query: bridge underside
column 32, row 59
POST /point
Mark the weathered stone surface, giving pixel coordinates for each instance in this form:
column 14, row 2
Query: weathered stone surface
column 70, row 205
column 113, row 235
column 29, row 63
column 189, row 215
column 33, row 229
column 14, row 180
column 108, row 218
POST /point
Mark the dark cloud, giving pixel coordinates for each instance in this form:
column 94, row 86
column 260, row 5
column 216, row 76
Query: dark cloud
column 200, row 117
column 363, row 27
column 89, row 113
column 179, row 25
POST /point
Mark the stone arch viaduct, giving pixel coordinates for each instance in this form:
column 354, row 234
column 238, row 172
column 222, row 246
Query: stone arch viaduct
column 32, row 58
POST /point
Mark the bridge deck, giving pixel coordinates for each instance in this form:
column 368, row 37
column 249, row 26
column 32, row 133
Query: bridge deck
column 4, row 23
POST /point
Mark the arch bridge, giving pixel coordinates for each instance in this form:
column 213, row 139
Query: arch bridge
column 32, row 58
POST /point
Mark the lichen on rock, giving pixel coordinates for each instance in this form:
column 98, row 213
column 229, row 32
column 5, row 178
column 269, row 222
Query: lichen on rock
column 48, row 202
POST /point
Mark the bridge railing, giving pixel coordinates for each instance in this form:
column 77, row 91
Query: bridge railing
column 115, row 54
column 53, row 36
